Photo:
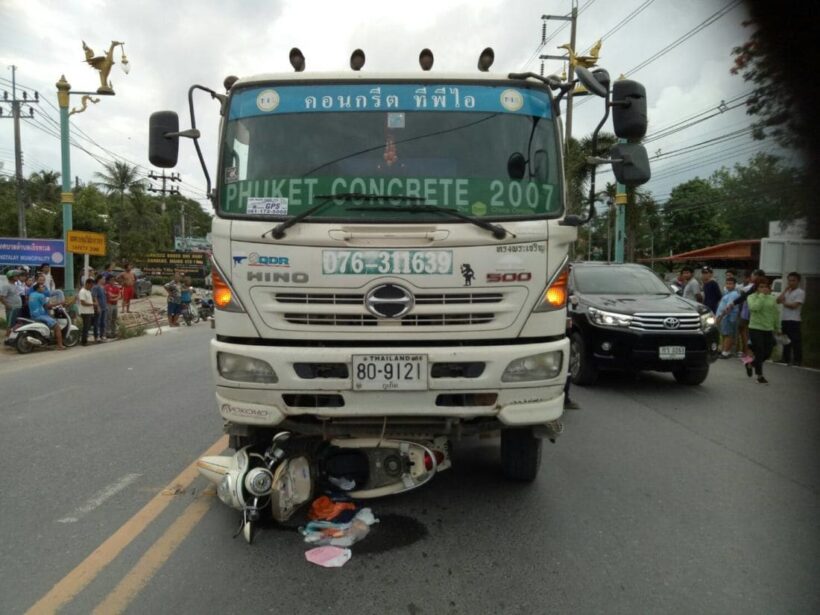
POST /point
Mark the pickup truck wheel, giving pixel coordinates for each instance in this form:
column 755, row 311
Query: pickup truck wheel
column 691, row 376
column 581, row 369
column 520, row 454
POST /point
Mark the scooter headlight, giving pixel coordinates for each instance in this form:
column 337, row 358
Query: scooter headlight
column 259, row 481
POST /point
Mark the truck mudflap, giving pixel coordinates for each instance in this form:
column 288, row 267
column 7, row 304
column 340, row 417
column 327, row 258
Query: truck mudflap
column 292, row 470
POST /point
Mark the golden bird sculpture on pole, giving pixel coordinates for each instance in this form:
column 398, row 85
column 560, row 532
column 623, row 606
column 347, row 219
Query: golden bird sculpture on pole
column 103, row 64
column 587, row 61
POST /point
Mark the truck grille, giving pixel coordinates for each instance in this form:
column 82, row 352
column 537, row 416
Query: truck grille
column 366, row 320
column 338, row 309
column 358, row 298
column 659, row 322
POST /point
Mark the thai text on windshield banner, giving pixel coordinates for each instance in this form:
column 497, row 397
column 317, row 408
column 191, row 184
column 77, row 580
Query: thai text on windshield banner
column 256, row 101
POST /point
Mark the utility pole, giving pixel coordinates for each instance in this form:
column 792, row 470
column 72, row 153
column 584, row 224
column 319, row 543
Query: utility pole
column 173, row 177
column 573, row 19
column 16, row 107
column 620, row 219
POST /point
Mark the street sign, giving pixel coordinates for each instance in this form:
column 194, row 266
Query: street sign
column 192, row 244
column 86, row 242
column 16, row 251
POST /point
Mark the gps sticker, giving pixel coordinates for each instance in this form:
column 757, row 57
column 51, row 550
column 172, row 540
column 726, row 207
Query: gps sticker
column 395, row 120
column 231, row 175
column 277, row 206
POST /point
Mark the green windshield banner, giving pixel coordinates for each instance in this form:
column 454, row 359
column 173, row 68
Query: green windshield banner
column 280, row 198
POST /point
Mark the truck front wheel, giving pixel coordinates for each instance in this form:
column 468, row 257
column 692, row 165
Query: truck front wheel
column 520, row 454
column 581, row 368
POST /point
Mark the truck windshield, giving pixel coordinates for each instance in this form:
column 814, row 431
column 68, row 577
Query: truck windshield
column 484, row 150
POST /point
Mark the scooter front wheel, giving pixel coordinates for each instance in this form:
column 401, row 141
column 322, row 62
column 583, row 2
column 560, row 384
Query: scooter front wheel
column 23, row 344
column 72, row 338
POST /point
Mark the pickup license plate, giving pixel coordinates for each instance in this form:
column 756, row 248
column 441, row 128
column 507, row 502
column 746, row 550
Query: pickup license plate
column 390, row 372
column 672, row 353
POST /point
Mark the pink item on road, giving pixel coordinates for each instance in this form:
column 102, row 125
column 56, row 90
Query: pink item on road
column 329, row 557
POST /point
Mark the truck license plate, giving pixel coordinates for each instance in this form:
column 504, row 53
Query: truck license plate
column 671, row 353
column 390, row 372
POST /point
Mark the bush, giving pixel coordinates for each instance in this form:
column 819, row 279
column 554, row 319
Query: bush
column 124, row 332
column 3, row 323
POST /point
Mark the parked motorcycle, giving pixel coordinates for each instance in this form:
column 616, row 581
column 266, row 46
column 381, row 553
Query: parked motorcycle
column 205, row 307
column 189, row 316
column 27, row 334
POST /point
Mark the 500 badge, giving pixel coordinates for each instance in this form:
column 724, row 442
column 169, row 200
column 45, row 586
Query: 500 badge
column 362, row 262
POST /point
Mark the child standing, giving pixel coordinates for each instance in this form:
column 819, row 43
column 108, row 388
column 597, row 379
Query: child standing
column 728, row 316
column 763, row 322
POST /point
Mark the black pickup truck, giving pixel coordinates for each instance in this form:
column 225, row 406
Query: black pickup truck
column 624, row 317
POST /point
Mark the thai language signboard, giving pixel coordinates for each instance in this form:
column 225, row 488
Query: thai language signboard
column 86, row 242
column 17, row 251
column 165, row 264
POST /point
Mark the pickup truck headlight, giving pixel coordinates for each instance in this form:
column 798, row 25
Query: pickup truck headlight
column 244, row 369
column 608, row 319
column 707, row 321
column 543, row 366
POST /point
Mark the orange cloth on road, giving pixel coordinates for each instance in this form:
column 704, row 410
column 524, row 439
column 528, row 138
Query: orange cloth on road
column 325, row 509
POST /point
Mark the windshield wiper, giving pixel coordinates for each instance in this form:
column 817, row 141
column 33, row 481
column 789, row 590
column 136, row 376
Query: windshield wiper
column 498, row 231
column 278, row 231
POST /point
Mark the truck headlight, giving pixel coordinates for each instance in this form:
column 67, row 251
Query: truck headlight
column 707, row 321
column 543, row 366
column 608, row 319
column 244, row 369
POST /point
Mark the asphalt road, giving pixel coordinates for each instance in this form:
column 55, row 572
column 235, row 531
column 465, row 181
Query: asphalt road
column 657, row 498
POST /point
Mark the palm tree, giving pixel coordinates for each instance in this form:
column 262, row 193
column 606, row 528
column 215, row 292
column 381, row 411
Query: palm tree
column 578, row 171
column 44, row 188
column 118, row 178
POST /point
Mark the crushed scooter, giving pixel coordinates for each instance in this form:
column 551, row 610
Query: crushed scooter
column 288, row 472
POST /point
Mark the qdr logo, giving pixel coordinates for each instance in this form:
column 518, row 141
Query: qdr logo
column 257, row 260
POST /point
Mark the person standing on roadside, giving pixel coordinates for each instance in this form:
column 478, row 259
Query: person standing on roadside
column 174, row 300
column 86, row 300
column 691, row 289
column 763, row 322
column 711, row 289
column 792, row 299
column 45, row 269
column 10, row 298
column 112, row 296
column 100, row 308
column 128, row 281
column 749, row 287
column 727, row 319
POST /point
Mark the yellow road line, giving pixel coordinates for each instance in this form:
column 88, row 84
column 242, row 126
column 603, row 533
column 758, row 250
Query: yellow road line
column 75, row 581
column 153, row 559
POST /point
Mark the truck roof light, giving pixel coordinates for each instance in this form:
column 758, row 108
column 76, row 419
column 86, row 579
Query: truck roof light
column 357, row 59
column 426, row 59
column 486, row 59
column 297, row 60
column 229, row 81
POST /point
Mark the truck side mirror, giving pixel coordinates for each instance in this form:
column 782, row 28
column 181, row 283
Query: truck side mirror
column 590, row 82
column 629, row 109
column 163, row 150
column 630, row 164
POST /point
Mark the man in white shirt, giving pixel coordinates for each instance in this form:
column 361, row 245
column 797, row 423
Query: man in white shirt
column 792, row 299
column 45, row 269
column 86, row 302
column 692, row 288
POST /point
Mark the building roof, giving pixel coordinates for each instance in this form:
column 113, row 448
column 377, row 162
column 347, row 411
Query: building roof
column 740, row 250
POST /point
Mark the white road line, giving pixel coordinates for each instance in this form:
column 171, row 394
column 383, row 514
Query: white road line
column 98, row 498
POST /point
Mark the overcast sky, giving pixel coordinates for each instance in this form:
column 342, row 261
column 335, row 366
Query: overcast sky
column 172, row 45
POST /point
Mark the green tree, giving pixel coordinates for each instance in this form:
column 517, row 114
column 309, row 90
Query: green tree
column 119, row 178
column 755, row 193
column 692, row 217
column 578, row 172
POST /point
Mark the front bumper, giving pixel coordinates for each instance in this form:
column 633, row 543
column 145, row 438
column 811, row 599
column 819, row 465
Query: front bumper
column 638, row 350
column 512, row 404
